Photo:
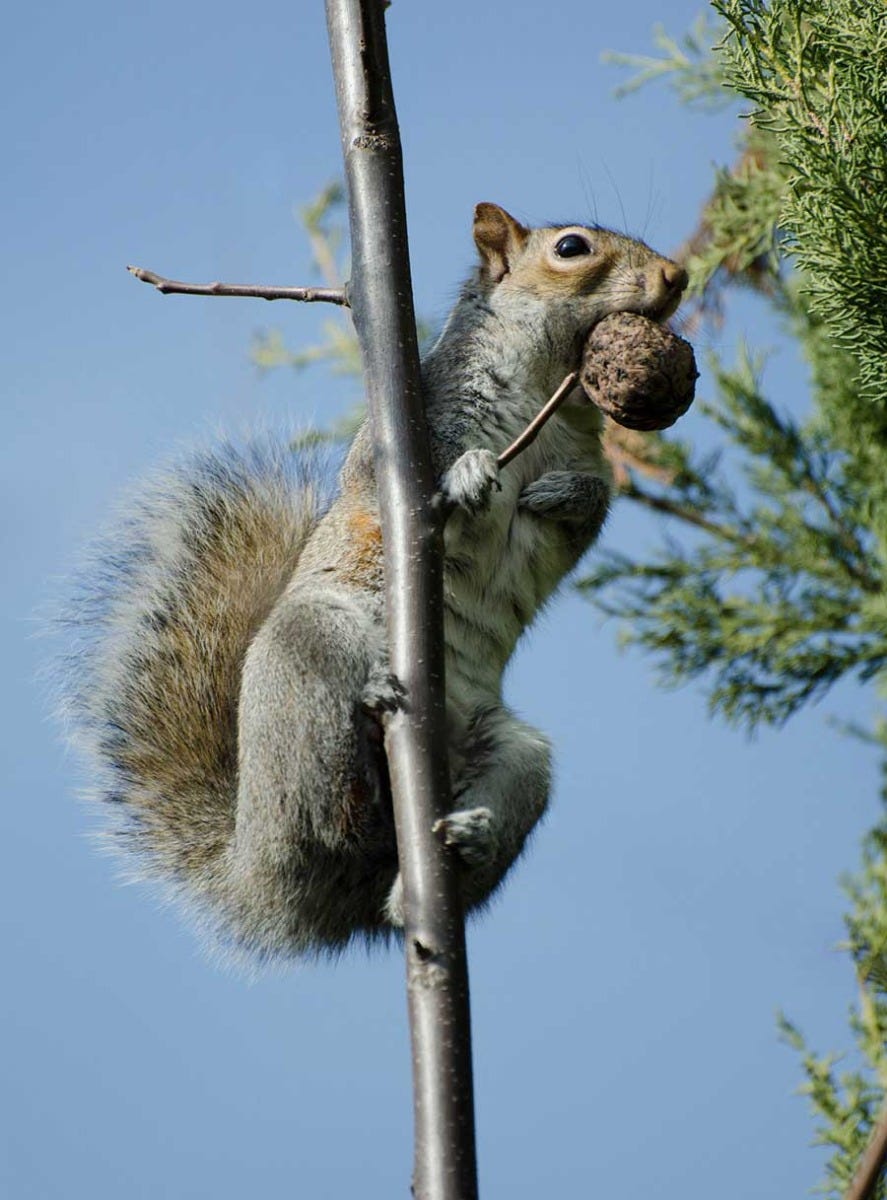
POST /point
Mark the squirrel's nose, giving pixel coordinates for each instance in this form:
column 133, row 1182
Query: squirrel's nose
column 674, row 277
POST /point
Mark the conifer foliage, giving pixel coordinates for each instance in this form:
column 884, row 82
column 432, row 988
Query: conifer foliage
column 770, row 586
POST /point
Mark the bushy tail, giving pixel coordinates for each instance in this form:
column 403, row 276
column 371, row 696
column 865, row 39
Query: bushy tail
column 165, row 610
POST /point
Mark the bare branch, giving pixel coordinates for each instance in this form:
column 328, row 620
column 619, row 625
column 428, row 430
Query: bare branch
column 255, row 291
column 531, row 432
column 415, row 738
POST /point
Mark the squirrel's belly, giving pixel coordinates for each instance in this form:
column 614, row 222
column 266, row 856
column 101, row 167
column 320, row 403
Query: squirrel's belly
column 493, row 588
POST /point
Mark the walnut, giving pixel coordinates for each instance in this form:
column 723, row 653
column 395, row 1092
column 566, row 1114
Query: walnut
column 637, row 372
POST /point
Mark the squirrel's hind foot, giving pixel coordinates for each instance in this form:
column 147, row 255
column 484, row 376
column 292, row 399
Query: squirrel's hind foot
column 470, row 833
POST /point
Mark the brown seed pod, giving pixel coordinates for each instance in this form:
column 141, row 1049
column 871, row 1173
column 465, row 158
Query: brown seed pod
column 637, row 372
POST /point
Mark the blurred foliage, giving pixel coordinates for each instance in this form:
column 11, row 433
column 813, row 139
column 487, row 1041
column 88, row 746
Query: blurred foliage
column 685, row 63
column 321, row 219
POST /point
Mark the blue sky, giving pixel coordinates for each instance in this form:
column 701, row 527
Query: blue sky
column 683, row 888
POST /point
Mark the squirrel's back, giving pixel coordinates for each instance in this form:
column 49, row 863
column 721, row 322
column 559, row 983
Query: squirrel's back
column 163, row 615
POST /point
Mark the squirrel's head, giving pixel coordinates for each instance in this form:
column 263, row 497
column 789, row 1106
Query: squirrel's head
column 593, row 271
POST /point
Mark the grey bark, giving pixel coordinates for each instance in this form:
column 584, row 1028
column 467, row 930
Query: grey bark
column 381, row 301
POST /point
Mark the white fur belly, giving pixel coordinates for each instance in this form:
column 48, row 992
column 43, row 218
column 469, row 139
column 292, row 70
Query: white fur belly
column 500, row 567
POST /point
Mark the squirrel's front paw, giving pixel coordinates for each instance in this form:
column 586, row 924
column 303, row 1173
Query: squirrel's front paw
column 471, row 479
column 471, row 833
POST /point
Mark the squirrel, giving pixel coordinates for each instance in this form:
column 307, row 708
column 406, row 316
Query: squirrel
column 231, row 671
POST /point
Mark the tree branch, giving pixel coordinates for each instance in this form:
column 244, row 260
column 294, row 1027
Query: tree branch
column 255, row 291
column 684, row 513
column 437, row 974
column 872, row 1164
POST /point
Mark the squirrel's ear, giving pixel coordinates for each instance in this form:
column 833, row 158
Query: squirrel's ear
column 499, row 239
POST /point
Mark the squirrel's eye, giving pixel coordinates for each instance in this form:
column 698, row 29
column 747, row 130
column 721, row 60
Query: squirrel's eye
column 572, row 245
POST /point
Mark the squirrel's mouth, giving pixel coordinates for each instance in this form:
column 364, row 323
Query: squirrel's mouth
column 659, row 311
column 661, row 314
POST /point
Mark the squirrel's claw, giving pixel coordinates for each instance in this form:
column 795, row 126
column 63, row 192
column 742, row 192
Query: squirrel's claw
column 382, row 693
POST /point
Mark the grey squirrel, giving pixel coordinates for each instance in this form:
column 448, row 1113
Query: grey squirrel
column 232, row 670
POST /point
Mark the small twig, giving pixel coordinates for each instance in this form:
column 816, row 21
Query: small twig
column 869, row 1170
column 684, row 513
column 255, row 291
column 532, row 430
